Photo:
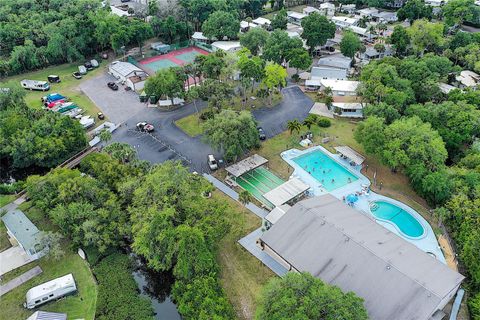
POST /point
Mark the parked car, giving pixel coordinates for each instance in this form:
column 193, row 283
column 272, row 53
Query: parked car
column 113, row 86
column 212, row 162
column 53, row 78
column 261, row 133
column 77, row 75
column 88, row 65
column 101, row 116
column 94, row 63
column 145, row 127
column 82, row 70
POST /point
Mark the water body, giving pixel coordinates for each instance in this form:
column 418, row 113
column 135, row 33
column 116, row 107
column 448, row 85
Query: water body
column 157, row 287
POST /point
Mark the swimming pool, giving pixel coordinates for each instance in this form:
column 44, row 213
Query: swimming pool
column 403, row 220
column 330, row 174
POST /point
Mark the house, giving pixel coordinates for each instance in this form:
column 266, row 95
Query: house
column 343, row 247
column 445, row 88
column 295, row 17
column 348, row 8
column 367, row 12
column 347, row 110
column 395, row 3
column 29, row 238
column 327, row 9
column 371, row 53
column 309, row 10
column 262, row 22
column 121, row 10
column 340, row 87
column 199, row 37
column 245, row 26
column 363, row 33
column 385, row 17
column 328, row 73
column 336, row 61
column 227, row 46
column 468, row 79
column 344, row 22
column 129, row 74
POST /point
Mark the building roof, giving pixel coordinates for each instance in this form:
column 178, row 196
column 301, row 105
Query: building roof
column 50, row 286
column 308, row 10
column 327, row 5
column 348, row 105
column 346, row 248
column 246, row 165
column 340, row 85
column 336, row 61
column 368, row 11
column 26, row 233
column 199, row 36
column 328, row 73
column 262, row 21
column 245, row 24
column 43, row 315
column 386, row 15
column 286, row 191
column 370, row 51
column 277, row 213
column 296, row 15
column 445, row 88
column 226, row 45
column 468, row 78
column 124, row 69
column 293, row 34
column 359, row 30
column 345, row 20
column 350, row 153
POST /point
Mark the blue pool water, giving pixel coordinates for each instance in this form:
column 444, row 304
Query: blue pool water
column 407, row 223
column 325, row 170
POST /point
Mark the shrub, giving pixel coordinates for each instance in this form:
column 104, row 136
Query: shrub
column 207, row 114
column 324, row 122
column 11, row 188
column 295, row 77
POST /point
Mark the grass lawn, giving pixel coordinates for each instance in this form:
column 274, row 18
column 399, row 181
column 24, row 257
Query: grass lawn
column 242, row 275
column 4, row 243
column 191, row 125
column 6, row 199
column 78, row 306
column 68, row 87
column 295, row 8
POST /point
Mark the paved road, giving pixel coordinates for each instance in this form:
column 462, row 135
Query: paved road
column 168, row 142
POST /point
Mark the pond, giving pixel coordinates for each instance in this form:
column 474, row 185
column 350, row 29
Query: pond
column 156, row 286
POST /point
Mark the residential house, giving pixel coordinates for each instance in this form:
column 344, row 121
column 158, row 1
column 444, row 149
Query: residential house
column 395, row 3
column 199, row 37
column 346, row 248
column 371, row 53
column 367, row 12
column 446, row 88
column 336, row 61
column 129, row 74
column 328, row 73
column 263, row 22
column 327, row 9
column 385, row 17
column 25, row 233
column 344, row 22
column 348, row 8
column 363, row 33
column 347, row 110
column 295, row 17
column 245, row 26
column 309, row 10
column 468, row 79
column 340, row 87
column 227, row 46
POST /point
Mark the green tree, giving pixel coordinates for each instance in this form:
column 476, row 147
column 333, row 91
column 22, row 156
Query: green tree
column 280, row 20
column 245, row 197
column 371, row 134
column 221, row 24
column 350, row 44
column 299, row 59
column 414, row 10
column 426, row 36
column 212, row 65
column 275, row 77
column 165, row 83
column 123, row 152
column 310, row 120
column 53, row 241
column 232, row 132
column 455, row 12
column 294, row 126
column 317, row 30
column 301, row 296
column 279, row 45
column 140, row 31
column 254, row 39
column 382, row 110
column 105, row 135
column 400, row 40
column 251, row 67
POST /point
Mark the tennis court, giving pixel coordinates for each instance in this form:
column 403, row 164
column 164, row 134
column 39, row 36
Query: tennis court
column 172, row 59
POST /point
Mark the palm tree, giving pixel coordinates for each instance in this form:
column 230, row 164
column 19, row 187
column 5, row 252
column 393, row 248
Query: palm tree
column 310, row 120
column 245, row 197
column 294, row 125
column 371, row 31
column 105, row 135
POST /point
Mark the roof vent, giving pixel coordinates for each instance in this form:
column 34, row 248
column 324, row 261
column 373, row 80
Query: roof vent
column 388, row 267
column 347, row 239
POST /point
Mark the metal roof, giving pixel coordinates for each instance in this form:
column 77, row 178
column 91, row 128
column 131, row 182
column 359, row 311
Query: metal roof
column 246, row 165
column 346, row 248
column 350, row 153
column 328, row 73
column 286, row 192
column 43, row 315
column 340, row 85
column 277, row 213
column 336, row 61
column 26, row 233
column 124, row 68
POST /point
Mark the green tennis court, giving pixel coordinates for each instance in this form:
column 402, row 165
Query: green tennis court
column 188, row 57
column 160, row 64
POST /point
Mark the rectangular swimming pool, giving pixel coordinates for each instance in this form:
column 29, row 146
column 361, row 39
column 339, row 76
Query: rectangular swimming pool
column 330, row 174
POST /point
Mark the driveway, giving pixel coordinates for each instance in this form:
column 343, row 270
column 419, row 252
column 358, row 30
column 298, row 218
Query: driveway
column 13, row 258
column 119, row 105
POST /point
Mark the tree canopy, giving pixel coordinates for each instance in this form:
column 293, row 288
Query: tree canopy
column 221, row 24
column 254, row 40
column 317, row 29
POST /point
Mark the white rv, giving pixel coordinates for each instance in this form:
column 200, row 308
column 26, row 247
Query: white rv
column 35, row 85
column 51, row 290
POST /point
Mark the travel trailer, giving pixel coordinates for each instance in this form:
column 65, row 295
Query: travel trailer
column 35, row 85
column 51, row 290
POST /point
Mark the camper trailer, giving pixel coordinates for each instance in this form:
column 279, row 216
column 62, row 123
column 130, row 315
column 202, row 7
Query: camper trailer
column 51, row 290
column 35, row 85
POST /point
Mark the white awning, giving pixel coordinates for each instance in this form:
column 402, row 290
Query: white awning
column 277, row 213
column 246, row 165
column 286, row 192
column 351, row 154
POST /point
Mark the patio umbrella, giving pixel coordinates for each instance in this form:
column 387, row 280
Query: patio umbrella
column 352, row 198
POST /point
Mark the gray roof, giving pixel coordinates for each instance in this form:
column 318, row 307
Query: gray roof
column 26, row 233
column 43, row 315
column 344, row 247
column 336, row 61
column 328, row 73
column 246, row 165
column 350, row 154
column 286, row 192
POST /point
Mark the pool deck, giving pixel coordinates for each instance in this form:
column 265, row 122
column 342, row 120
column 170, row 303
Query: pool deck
column 427, row 242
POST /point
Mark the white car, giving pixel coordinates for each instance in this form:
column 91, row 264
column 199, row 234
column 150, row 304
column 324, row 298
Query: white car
column 212, row 163
column 145, row 126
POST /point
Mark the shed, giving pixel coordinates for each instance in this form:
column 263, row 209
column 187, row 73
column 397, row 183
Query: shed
column 262, row 22
column 286, row 192
column 25, row 233
column 351, row 154
column 246, row 165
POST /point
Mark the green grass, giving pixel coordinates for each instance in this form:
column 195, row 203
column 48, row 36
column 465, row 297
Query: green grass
column 242, row 275
column 191, row 125
column 4, row 243
column 68, row 87
column 6, row 199
column 78, row 306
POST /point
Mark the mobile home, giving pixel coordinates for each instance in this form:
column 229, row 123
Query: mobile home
column 35, row 85
column 51, row 290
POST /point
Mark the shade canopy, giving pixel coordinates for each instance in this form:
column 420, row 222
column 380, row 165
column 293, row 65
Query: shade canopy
column 351, row 154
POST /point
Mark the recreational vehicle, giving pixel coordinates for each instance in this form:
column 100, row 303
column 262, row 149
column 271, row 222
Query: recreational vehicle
column 51, row 290
column 35, row 85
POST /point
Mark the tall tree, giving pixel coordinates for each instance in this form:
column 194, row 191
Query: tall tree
column 299, row 58
column 254, row 40
column 400, row 40
column 455, row 12
column 275, row 77
column 426, row 36
column 350, row 44
column 280, row 20
column 140, row 31
column 165, row 83
column 279, row 45
column 317, row 30
column 414, row 10
column 221, row 24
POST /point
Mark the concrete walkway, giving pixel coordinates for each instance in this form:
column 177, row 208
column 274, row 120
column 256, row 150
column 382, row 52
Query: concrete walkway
column 261, row 213
column 13, row 258
column 12, row 284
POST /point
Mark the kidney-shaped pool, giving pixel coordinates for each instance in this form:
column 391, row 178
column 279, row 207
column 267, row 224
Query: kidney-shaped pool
column 404, row 221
